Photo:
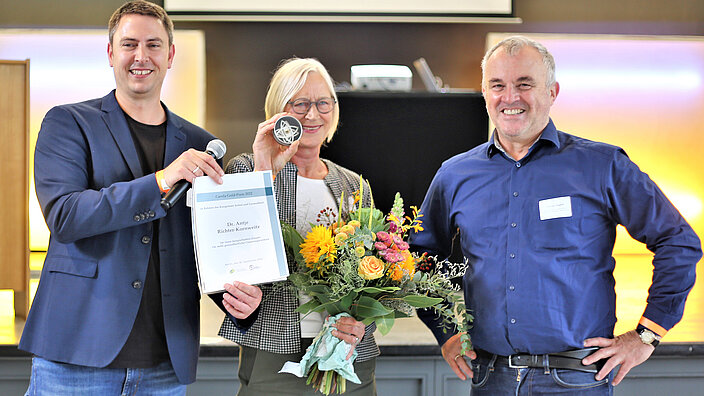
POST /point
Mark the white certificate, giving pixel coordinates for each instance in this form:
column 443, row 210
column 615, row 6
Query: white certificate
column 236, row 231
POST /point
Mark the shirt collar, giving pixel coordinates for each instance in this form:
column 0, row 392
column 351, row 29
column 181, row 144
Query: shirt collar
column 548, row 134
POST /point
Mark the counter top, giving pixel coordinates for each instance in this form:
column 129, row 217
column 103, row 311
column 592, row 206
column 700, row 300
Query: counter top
column 231, row 350
column 408, row 337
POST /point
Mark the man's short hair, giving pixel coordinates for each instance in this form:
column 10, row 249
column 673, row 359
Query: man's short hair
column 514, row 44
column 141, row 7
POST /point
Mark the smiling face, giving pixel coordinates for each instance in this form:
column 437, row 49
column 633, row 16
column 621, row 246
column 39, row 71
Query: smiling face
column 517, row 97
column 316, row 126
column 140, row 55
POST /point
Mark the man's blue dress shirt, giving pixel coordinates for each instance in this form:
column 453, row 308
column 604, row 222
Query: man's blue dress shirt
column 542, row 286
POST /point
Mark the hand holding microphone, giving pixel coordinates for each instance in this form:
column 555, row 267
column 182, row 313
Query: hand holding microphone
column 190, row 164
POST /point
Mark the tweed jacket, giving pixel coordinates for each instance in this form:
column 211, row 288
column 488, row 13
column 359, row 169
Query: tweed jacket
column 276, row 327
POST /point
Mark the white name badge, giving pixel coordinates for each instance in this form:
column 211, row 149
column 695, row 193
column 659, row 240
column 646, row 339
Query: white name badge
column 555, row 208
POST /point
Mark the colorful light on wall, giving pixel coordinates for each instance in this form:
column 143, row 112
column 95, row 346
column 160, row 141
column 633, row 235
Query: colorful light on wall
column 71, row 65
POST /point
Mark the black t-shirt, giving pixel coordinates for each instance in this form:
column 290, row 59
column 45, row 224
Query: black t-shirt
column 146, row 344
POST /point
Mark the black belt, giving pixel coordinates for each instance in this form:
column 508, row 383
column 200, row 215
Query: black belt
column 571, row 360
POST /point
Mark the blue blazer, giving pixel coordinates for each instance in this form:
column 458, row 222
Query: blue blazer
column 100, row 209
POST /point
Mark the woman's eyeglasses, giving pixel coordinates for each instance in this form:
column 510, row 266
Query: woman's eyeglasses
column 302, row 106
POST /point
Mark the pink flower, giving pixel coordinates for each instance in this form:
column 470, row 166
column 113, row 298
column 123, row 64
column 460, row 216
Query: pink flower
column 393, row 227
column 402, row 245
column 383, row 236
column 380, row 246
column 393, row 257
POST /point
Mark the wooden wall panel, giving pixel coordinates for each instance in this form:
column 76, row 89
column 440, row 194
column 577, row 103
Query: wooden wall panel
column 14, row 198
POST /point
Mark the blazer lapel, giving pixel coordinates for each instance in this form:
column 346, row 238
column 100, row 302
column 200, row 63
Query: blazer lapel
column 175, row 138
column 117, row 125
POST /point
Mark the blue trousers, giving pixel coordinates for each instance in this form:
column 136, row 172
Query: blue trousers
column 61, row 379
column 493, row 379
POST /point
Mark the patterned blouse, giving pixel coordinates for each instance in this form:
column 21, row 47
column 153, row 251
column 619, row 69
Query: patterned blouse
column 275, row 326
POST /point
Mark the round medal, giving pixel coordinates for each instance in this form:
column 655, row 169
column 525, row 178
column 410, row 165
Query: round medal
column 287, row 130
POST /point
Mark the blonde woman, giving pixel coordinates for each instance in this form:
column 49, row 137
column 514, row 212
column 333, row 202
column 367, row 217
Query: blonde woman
column 263, row 320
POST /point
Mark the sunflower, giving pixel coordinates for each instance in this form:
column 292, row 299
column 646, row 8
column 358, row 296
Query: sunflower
column 318, row 243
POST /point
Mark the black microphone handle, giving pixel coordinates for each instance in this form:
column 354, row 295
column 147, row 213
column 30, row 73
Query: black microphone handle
column 180, row 187
column 175, row 193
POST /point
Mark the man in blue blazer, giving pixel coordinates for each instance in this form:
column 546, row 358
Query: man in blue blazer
column 117, row 307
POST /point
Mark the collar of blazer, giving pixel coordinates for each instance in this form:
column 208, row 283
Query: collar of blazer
column 114, row 117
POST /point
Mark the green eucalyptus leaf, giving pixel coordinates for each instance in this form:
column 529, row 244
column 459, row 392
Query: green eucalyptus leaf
column 309, row 306
column 368, row 307
column 315, row 290
column 332, row 308
column 373, row 291
column 347, row 300
column 421, row 301
column 385, row 323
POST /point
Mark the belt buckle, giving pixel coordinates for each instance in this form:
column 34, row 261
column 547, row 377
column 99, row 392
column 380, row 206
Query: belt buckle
column 511, row 365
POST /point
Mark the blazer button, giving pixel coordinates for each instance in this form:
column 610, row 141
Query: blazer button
column 137, row 284
column 143, row 216
column 146, row 239
column 151, row 213
column 136, row 218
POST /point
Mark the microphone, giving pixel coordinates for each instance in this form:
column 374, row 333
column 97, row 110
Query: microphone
column 216, row 148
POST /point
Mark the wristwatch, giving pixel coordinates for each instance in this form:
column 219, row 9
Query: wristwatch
column 648, row 337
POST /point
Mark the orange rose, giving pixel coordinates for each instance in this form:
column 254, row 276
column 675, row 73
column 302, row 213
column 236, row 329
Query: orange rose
column 371, row 268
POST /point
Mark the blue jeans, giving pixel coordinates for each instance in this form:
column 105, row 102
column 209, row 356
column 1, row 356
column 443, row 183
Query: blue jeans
column 495, row 379
column 61, row 379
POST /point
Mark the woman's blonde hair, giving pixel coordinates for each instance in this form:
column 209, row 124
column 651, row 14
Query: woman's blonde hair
column 289, row 78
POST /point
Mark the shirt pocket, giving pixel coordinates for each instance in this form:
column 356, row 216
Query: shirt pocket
column 556, row 233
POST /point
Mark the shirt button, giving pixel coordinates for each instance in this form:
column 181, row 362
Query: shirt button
column 515, row 193
column 512, row 287
column 513, row 320
column 137, row 284
column 513, row 225
column 512, row 255
column 146, row 239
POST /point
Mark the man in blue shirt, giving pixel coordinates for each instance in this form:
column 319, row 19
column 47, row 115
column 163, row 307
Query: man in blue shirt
column 537, row 210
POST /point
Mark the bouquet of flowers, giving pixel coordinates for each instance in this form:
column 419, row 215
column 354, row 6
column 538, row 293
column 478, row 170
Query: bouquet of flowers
column 358, row 264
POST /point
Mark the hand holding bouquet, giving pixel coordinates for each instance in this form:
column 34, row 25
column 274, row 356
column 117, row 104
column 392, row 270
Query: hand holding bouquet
column 359, row 264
